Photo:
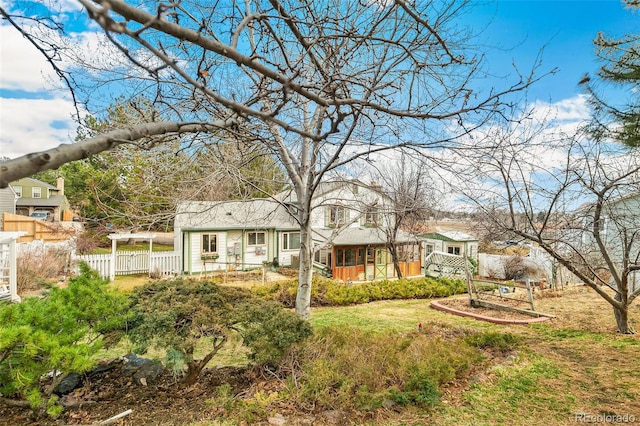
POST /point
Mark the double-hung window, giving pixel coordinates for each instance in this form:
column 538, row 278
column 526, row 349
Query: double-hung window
column 291, row 241
column 337, row 215
column 256, row 238
column 371, row 216
column 209, row 244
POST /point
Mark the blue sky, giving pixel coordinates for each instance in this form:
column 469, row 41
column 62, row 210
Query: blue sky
column 34, row 117
column 566, row 30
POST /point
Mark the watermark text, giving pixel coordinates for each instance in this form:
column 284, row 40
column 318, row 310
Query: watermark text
column 605, row 418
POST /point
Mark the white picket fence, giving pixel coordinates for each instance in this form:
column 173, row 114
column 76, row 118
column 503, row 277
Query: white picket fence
column 134, row 262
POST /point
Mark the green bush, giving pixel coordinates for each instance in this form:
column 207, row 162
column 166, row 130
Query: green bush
column 58, row 333
column 326, row 292
column 177, row 316
column 350, row 368
column 269, row 330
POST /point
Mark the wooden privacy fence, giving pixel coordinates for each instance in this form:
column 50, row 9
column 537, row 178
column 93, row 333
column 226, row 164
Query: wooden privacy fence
column 34, row 229
column 164, row 263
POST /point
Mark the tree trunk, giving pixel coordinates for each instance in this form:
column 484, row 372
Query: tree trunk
column 194, row 368
column 393, row 249
column 621, row 313
column 303, row 297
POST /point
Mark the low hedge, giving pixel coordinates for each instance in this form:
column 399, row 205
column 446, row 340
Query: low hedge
column 326, row 292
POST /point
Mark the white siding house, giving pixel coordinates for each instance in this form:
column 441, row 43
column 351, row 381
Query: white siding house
column 348, row 220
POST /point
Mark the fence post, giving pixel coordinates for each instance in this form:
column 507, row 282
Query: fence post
column 528, row 284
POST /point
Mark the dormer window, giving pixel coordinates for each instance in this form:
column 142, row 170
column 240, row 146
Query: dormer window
column 371, row 216
column 337, row 215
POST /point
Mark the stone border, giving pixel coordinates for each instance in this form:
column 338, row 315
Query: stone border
column 437, row 306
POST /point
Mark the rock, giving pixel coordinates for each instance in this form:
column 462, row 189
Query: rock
column 277, row 420
column 148, row 373
column 100, row 369
column 333, row 416
column 133, row 363
column 68, row 384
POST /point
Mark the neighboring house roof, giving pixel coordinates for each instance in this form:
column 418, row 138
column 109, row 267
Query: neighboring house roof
column 53, row 201
column 452, row 236
column 251, row 214
column 37, row 182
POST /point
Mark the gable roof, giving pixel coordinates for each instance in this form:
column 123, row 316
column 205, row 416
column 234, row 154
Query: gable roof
column 324, row 188
column 452, row 236
column 251, row 214
column 36, row 182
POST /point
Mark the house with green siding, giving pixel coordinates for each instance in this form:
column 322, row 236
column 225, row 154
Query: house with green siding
column 33, row 194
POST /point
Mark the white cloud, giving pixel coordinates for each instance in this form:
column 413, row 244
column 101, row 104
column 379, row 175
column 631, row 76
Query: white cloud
column 22, row 67
column 31, row 125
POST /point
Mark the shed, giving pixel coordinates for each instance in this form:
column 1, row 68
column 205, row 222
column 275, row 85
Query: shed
column 451, row 242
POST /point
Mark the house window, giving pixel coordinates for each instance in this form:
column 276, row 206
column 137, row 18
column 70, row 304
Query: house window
column 209, row 244
column 321, row 256
column 36, row 192
column 371, row 216
column 337, row 215
column 604, row 224
column 256, row 238
column 453, row 250
column 18, row 191
column 291, row 241
column 428, row 249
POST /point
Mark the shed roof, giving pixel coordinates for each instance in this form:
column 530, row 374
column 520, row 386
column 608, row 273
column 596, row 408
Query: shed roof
column 456, row 236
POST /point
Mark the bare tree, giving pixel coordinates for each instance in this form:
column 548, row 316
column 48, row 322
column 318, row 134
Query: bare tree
column 582, row 206
column 409, row 184
column 305, row 79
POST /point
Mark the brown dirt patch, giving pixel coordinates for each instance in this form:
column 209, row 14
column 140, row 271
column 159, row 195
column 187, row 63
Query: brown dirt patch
column 463, row 305
column 165, row 403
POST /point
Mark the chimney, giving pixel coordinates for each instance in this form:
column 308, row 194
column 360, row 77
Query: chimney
column 60, row 185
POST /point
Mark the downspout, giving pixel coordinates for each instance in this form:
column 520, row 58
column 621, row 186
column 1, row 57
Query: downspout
column 182, row 257
column 242, row 266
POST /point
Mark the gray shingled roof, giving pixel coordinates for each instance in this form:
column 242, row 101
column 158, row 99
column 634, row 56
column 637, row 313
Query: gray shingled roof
column 252, row 214
column 53, row 201
column 364, row 236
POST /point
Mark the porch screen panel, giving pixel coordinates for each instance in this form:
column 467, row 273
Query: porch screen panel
column 350, row 257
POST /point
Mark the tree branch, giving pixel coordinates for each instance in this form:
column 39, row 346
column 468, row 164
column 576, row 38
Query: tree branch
column 27, row 165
